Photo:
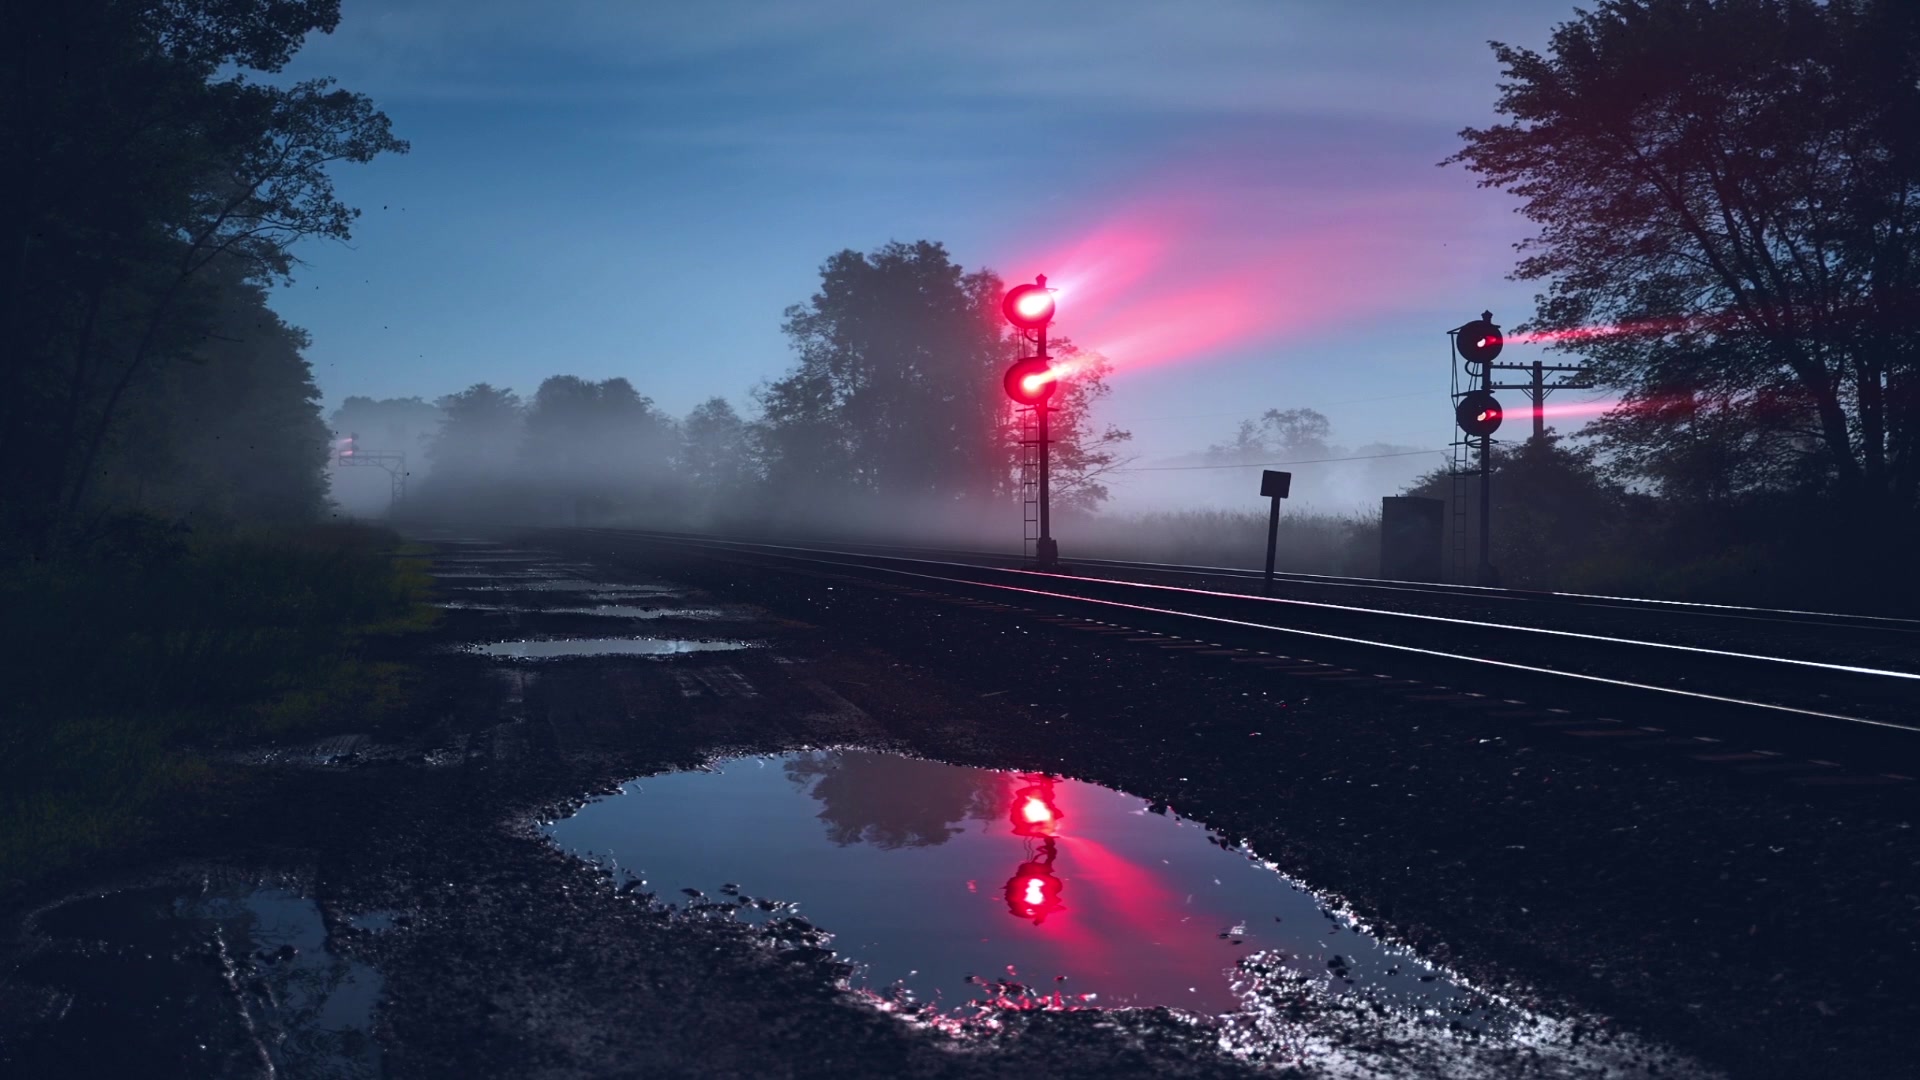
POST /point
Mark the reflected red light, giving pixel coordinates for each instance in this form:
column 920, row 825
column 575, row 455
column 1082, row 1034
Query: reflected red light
column 1034, row 812
column 1033, row 893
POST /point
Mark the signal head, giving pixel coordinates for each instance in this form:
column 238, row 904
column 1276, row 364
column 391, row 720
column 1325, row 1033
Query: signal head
column 1479, row 341
column 1031, row 380
column 1478, row 413
column 1028, row 307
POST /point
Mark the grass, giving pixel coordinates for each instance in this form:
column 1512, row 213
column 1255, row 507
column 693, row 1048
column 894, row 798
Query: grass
column 1308, row 543
column 132, row 664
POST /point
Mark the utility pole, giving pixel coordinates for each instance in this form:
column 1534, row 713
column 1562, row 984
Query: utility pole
column 1537, row 388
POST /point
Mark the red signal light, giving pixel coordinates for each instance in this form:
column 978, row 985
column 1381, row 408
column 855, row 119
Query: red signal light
column 1478, row 413
column 1479, row 341
column 1029, row 307
column 1031, row 380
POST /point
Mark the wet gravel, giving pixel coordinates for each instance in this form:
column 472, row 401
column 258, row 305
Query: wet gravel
column 1765, row 933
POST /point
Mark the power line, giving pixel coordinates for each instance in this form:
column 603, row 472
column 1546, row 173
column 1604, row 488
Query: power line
column 1263, row 464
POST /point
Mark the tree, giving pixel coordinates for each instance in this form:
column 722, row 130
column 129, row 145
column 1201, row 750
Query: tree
column 714, row 453
column 897, row 389
column 1728, row 196
column 232, row 432
column 597, row 434
column 140, row 156
column 479, row 439
column 388, row 425
column 1081, row 453
column 1554, row 510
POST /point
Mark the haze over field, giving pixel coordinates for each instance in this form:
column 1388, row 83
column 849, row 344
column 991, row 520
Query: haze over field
column 1241, row 208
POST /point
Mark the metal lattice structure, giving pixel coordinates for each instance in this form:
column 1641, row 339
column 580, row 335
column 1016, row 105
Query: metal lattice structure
column 350, row 456
column 1029, row 479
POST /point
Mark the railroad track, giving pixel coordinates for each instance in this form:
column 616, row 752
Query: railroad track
column 1732, row 701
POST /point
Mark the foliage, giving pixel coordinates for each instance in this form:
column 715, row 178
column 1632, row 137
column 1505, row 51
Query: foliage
column 1554, row 511
column 715, row 457
column 1279, row 433
column 1308, row 543
column 232, row 433
column 896, row 392
column 388, row 425
column 1726, row 192
column 155, row 644
column 148, row 176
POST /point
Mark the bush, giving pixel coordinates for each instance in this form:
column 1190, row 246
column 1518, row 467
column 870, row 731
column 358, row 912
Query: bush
column 153, row 644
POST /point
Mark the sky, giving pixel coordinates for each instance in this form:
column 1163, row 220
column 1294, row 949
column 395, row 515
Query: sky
column 1238, row 199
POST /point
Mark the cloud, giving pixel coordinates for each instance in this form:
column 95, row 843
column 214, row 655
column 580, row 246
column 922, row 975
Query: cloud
column 1247, row 57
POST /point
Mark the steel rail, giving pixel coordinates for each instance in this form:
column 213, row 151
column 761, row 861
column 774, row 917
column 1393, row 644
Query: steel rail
column 1345, row 609
column 1743, row 612
column 927, row 572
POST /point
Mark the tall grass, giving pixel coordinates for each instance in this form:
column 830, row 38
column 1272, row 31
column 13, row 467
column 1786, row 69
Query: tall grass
column 1308, row 543
column 129, row 662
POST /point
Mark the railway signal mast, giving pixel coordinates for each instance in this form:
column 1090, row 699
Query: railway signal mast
column 1478, row 414
column 1031, row 382
column 349, row 454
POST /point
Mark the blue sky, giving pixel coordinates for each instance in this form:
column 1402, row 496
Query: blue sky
column 639, row 189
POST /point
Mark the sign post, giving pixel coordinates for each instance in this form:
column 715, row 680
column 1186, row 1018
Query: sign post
column 1273, row 485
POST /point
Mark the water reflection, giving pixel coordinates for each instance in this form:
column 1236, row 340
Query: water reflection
column 944, row 880
column 1033, row 892
column 223, row 978
column 890, row 801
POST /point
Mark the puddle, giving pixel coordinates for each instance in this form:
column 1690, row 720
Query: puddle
column 928, row 874
column 612, row 611
column 624, row 611
column 610, row 646
column 598, row 589
column 221, row 979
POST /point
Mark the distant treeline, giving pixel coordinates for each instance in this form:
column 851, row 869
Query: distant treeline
column 893, row 410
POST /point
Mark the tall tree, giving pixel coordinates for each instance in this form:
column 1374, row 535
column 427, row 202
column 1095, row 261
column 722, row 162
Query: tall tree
column 233, row 431
column 389, row 425
column 1728, row 196
column 594, row 433
column 139, row 155
column 478, row 442
column 897, row 388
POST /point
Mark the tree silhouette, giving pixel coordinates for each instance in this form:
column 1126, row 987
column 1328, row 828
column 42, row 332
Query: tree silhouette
column 140, row 160
column 389, row 426
column 1725, row 191
column 715, row 457
column 896, row 392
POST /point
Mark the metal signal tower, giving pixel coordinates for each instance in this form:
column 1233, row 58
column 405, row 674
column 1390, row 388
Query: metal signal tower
column 1477, row 414
column 350, row 456
column 1031, row 382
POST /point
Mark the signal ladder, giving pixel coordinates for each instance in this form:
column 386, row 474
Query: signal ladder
column 1029, row 480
